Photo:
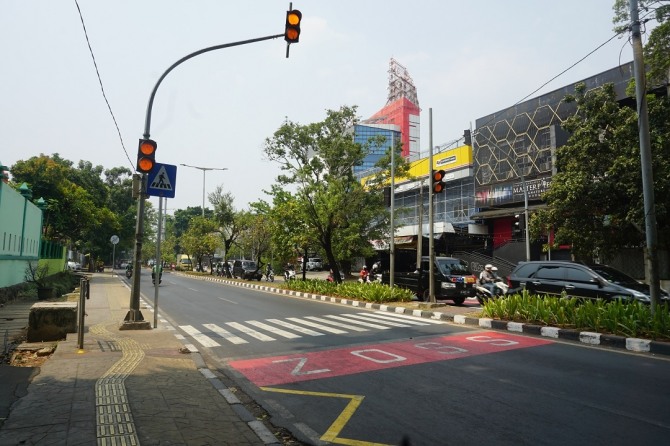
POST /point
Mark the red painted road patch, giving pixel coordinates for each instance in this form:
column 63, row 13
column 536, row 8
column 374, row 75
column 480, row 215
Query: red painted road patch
column 347, row 361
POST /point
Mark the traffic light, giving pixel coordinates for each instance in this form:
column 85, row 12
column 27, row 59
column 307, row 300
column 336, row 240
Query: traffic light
column 146, row 155
column 292, row 31
column 517, row 226
column 438, row 181
column 467, row 137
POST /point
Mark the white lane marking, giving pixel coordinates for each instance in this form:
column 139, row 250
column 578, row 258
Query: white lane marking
column 192, row 289
column 364, row 324
column 206, row 341
column 253, row 333
column 367, row 318
column 225, row 334
column 319, row 326
column 275, row 330
column 337, row 324
column 229, row 301
column 413, row 318
column 294, row 327
column 394, row 318
column 180, row 336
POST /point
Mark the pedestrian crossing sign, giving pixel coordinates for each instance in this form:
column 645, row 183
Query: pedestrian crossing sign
column 162, row 180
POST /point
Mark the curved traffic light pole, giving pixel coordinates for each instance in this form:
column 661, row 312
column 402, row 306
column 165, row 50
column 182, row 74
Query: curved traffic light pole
column 134, row 319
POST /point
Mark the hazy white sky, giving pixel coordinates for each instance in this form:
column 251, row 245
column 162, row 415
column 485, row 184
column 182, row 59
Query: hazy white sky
column 467, row 59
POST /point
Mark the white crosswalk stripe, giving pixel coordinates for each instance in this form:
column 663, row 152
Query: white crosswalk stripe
column 251, row 332
column 275, row 330
column 337, row 324
column 385, row 316
column 296, row 327
column 364, row 324
column 206, row 341
column 315, row 325
column 225, row 334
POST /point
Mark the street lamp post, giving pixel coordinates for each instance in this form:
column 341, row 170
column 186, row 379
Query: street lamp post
column 204, row 171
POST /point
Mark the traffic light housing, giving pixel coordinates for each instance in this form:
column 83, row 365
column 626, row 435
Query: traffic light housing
column 146, row 155
column 292, row 30
column 438, row 181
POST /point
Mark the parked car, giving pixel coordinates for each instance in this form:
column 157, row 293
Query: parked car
column 314, row 264
column 452, row 278
column 554, row 277
column 246, row 269
column 73, row 266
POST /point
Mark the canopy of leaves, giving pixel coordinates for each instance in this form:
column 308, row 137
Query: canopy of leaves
column 596, row 200
column 329, row 206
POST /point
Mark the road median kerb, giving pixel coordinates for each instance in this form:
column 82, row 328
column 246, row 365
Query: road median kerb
column 585, row 338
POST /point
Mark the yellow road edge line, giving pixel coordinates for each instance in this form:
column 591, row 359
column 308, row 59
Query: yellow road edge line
column 336, row 427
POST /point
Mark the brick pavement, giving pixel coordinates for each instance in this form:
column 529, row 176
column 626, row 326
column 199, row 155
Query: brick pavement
column 127, row 387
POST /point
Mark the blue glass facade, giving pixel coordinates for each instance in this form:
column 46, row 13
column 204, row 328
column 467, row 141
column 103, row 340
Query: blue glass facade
column 363, row 133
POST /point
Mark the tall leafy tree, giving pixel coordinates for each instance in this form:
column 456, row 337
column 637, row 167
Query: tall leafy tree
column 595, row 202
column 230, row 222
column 200, row 239
column 317, row 160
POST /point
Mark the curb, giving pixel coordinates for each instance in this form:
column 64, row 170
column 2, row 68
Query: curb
column 585, row 337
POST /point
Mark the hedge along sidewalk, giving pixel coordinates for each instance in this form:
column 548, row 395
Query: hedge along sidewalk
column 585, row 337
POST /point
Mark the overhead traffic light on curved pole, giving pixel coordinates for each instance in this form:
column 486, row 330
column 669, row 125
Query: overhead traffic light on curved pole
column 146, row 155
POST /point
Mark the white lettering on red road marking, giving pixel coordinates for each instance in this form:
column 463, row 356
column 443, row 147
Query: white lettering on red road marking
column 349, row 360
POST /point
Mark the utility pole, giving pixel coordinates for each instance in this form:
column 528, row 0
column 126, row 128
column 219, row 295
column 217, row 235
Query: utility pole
column 645, row 157
column 431, row 248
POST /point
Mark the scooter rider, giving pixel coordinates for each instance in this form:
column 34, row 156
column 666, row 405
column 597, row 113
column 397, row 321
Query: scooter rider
column 269, row 272
column 157, row 269
column 487, row 278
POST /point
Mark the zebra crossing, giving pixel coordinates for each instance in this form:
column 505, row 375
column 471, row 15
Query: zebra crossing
column 268, row 330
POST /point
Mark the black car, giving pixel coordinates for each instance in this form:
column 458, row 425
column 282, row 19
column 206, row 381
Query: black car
column 246, row 269
column 553, row 278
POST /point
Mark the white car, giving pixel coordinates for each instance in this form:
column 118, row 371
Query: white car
column 314, row 264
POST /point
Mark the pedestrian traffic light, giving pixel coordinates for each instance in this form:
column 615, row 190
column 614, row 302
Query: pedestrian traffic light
column 146, row 155
column 292, row 31
column 438, row 181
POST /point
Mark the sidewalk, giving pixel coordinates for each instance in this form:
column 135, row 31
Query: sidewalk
column 126, row 387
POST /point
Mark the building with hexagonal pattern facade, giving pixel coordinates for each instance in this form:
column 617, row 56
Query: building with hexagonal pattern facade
column 514, row 151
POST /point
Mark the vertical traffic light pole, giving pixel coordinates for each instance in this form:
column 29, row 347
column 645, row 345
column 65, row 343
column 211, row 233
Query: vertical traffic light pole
column 134, row 318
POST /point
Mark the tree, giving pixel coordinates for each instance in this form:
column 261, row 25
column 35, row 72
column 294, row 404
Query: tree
column 318, row 159
column 230, row 222
column 200, row 239
column 595, row 201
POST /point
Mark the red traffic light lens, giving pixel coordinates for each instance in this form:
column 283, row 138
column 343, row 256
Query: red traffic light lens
column 147, row 147
column 438, row 175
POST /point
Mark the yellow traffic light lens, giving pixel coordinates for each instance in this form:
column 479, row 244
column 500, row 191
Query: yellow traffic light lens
column 293, row 18
column 145, row 164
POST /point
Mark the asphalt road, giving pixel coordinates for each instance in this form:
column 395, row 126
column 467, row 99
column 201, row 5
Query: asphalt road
column 429, row 384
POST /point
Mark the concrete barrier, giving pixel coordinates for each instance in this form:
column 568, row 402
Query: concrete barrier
column 51, row 321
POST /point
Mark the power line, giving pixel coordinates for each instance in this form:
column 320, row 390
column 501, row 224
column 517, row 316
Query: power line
column 102, row 88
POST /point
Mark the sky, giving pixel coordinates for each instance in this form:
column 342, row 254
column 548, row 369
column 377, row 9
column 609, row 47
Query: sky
column 467, row 60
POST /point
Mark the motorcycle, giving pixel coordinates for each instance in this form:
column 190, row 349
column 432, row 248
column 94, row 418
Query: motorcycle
column 153, row 278
column 289, row 274
column 129, row 272
column 500, row 288
column 270, row 276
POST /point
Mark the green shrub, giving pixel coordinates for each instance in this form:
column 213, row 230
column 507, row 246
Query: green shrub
column 629, row 319
column 369, row 292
